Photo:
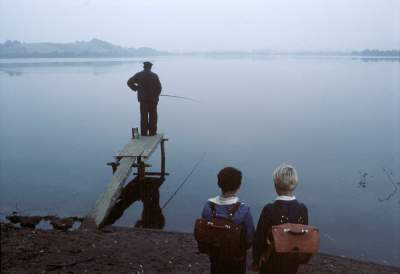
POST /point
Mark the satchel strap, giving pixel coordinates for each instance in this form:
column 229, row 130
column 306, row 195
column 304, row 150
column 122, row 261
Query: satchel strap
column 213, row 210
column 302, row 217
column 279, row 214
column 231, row 212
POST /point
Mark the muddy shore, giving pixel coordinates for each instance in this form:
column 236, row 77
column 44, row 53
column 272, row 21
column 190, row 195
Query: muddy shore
column 126, row 250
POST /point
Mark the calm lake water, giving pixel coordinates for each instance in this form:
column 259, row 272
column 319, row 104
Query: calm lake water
column 337, row 120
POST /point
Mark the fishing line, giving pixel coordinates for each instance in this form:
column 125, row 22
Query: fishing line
column 184, row 181
column 180, row 97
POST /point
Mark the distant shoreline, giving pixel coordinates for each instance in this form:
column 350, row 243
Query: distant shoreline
column 205, row 54
column 129, row 59
column 97, row 48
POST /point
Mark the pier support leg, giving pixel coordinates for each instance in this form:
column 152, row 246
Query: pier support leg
column 141, row 169
column 162, row 158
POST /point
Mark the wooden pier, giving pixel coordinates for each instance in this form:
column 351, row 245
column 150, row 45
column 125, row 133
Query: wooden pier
column 134, row 155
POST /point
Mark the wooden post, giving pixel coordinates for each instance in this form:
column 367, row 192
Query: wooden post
column 162, row 158
column 141, row 168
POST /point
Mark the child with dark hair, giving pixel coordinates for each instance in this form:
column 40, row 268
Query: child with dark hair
column 221, row 206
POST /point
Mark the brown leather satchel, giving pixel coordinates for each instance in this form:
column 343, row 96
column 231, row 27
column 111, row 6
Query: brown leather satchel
column 297, row 242
column 221, row 237
column 296, row 238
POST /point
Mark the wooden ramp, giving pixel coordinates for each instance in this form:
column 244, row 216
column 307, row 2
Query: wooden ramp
column 133, row 155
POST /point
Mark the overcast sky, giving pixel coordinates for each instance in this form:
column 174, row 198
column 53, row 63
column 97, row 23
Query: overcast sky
column 207, row 24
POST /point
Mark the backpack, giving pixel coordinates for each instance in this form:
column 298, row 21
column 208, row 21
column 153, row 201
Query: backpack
column 221, row 237
column 295, row 241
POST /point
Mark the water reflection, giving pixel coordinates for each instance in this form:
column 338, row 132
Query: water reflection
column 333, row 117
column 12, row 73
column 379, row 59
column 395, row 185
column 147, row 191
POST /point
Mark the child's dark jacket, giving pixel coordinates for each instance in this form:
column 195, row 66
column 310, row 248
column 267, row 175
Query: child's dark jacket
column 279, row 212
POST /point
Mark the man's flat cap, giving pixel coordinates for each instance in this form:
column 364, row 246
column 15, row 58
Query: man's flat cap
column 147, row 64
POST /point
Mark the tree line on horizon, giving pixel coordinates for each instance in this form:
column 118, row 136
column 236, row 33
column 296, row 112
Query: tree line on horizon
column 100, row 48
column 92, row 48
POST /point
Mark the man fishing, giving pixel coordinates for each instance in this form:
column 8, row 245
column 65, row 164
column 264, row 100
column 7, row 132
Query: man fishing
column 148, row 88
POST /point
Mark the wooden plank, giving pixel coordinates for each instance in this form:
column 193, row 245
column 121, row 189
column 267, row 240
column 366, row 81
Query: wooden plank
column 151, row 144
column 143, row 146
column 132, row 149
column 109, row 198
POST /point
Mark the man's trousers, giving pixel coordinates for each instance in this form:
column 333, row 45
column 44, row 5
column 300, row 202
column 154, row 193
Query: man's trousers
column 148, row 118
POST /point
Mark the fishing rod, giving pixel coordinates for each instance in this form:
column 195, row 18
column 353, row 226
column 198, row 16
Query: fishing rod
column 180, row 97
column 135, row 88
column 184, row 181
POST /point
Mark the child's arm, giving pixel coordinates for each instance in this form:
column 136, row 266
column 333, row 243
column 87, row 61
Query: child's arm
column 249, row 225
column 260, row 237
column 305, row 210
column 206, row 213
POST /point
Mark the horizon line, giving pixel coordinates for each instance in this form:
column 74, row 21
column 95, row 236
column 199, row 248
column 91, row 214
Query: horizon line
column 271, row 50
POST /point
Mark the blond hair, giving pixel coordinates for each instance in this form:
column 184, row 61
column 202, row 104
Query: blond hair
column 285, row 177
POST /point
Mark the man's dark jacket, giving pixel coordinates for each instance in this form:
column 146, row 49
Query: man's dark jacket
column 147, row 84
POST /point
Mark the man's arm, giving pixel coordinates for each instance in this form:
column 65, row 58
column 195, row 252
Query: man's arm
column 159, row 87
column 133, row 83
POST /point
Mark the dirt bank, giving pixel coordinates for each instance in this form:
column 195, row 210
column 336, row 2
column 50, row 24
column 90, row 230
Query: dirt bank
column 124, row 250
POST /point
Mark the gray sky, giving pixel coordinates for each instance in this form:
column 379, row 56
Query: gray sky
column 207, row 24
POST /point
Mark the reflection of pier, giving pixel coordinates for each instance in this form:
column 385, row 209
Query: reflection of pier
column 146, row 191
column 144, row 187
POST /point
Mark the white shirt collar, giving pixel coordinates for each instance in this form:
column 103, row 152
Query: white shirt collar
column 285, row 198
column 219, row 200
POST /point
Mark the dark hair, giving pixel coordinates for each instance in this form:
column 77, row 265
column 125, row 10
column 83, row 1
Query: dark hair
column 229, row 179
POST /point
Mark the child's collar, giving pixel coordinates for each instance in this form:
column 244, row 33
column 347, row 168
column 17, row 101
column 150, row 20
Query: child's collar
column 285, row 198
column 219, row 200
